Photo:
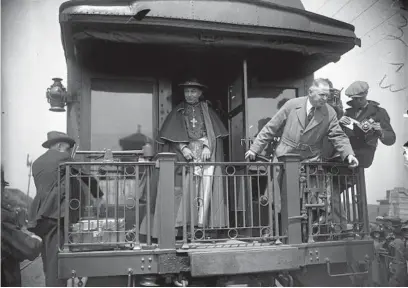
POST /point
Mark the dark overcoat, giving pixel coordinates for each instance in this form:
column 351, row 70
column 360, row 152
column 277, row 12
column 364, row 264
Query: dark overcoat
column 16, row 246
column 365, row 144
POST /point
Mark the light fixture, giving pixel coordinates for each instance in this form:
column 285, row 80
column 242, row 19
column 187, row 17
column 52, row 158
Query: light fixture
column 57, row 96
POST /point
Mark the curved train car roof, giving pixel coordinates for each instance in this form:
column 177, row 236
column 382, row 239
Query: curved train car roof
column 246, row 24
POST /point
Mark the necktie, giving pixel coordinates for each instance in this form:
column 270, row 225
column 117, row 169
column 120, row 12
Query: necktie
column 310, row 116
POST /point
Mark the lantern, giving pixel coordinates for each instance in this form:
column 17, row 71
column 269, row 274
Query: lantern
column 57, row 96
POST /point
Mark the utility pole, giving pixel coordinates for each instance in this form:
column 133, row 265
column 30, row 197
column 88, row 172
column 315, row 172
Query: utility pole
column 29, row 165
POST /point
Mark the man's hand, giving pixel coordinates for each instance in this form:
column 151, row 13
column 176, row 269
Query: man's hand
column 187, row 153
column 345, row 120
column 250, row 154
column 206, row 155
column 376, row 126
column 352, row 160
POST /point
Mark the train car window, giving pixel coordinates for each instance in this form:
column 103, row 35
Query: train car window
column 122, row 116
column 263, row 103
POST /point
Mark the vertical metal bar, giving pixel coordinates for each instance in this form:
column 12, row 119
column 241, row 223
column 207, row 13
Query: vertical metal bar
column 59, row 207
column 251, row 206
column 270, row 198
column 309, row 200
column 243, row 200
column 184, row 186
column 67, row 206
column 220, row 178
column 347, row 201
column 363, row 197
column 227, row 182
column 116, row 178
column 339, row 198
column 245, row 72
column 259, row 196
column 137, row 205
column 353, row 203
column 235, row 201
column 148, row 218
column 275, row 201
column 193, row 195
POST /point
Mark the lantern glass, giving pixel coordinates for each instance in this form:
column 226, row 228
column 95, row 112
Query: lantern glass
column 56, row 96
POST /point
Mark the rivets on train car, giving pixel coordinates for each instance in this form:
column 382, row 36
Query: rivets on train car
column 311, row 253
column 311, row 259
column 149, row 267
column 142, row 259
column 150, row 259
column 317, row 252
column 142, row 267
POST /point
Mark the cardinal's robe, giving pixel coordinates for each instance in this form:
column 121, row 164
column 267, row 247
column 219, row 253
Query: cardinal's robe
column 194, row 126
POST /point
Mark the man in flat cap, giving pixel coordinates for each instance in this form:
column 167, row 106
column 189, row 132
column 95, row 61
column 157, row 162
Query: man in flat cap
column 194, row 132
column 44, row 213
column 374, row 124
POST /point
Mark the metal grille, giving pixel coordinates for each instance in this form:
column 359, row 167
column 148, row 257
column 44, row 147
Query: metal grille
column 332, row 202
column 114, row 223
column 228, row 201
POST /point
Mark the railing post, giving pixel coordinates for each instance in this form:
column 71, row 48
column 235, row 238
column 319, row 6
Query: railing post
column 290, row 195
column 167, row 237
column 361, row 190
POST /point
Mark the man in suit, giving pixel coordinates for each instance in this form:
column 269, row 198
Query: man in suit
column 44, row 213
column 305, row 122
column 374, row 124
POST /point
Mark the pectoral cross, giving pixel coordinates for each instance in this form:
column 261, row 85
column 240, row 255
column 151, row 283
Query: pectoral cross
column 193, row 121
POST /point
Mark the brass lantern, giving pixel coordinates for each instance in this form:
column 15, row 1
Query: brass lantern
column 57, row 96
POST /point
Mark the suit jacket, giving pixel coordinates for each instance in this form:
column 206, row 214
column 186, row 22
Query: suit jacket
column 45, row 203
column 299, row 139
column 365, row 144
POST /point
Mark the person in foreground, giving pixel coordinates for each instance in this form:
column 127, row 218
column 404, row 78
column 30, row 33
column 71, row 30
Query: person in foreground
column 44, row 214
column 305, row 122
column 373, row 124
column 194, row 132
column 17, row 244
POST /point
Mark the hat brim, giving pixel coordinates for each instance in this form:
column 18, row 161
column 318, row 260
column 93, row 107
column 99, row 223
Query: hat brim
column 49, row 143
column 193, row 84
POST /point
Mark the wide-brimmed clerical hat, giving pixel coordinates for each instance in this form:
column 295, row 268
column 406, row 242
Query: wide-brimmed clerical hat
column 55, row 137
column 193, row 82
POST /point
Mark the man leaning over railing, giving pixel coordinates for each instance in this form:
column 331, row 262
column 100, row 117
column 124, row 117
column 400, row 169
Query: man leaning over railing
column 305, row 122
column 44, row 213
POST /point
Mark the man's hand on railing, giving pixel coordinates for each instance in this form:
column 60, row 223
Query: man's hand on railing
column 206, row 155
column 352, row 160
column 250, row 154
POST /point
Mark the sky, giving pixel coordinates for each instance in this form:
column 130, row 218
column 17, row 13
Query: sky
column 32, row 55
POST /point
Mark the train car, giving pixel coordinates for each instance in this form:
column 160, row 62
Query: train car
column 125, row 60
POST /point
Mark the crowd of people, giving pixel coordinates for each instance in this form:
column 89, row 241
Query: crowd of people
column 314, row 126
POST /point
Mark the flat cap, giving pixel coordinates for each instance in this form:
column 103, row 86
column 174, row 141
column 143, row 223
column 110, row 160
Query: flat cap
column 357, row 89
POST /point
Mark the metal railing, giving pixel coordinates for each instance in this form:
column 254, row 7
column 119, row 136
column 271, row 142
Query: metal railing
column 227, row 201
column 333, row 202
column 168, row 205
column 114, row 223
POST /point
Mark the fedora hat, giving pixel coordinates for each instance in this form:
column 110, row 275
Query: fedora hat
column 193, row 82
column 55, row 137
